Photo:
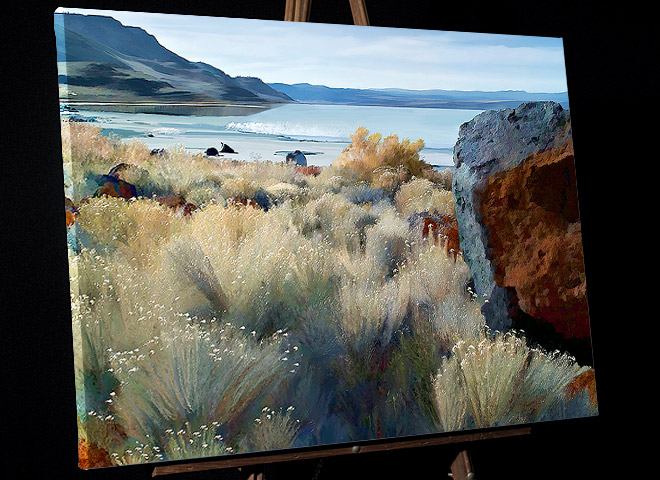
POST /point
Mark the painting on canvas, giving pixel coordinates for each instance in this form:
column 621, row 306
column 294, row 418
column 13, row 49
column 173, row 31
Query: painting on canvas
column 288, row 235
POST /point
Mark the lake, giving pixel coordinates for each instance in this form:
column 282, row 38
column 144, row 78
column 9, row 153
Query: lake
column 321, row 131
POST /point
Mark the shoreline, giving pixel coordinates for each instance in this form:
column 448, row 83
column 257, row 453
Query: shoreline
column 197, row 135
column 176, row 109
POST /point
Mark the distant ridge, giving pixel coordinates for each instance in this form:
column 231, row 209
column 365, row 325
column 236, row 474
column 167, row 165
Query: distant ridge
column 478, row 100
column 100, row 59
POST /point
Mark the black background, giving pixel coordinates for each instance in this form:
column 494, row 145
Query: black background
column 610, row 52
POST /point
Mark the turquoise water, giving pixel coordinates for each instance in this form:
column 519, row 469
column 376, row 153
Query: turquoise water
column 323, row 130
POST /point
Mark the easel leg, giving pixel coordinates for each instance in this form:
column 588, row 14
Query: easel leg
column 461, row 467
column 252, row 473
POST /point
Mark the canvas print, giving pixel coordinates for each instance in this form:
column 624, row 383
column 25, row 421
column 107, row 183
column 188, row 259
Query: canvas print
column 288, row 235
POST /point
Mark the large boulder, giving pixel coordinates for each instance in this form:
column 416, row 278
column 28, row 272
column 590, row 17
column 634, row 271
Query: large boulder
column 519, row 226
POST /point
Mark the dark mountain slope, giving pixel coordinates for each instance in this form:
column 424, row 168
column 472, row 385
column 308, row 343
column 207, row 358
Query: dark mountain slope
column 106, row 60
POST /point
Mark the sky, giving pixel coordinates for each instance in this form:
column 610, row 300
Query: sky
column 352, row 56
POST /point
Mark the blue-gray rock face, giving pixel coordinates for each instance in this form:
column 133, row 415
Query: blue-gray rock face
column 491, row 142
column 298, row 157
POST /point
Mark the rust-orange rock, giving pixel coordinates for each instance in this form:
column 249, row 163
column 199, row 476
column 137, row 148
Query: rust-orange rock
column 586, row 381
column 444, row 231
column 308, row 170
column 242, row 201
column 70, row 218
column 534, row 236
column 176, row 202
column 91, row 455
column 70, row 211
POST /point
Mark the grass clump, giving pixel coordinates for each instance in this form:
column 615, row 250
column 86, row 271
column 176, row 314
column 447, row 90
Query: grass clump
column 500, row 380
column 422, row 195
column 274, row 430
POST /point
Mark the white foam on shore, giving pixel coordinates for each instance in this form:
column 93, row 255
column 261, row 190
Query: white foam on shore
column 165, row 132
column 290, row 130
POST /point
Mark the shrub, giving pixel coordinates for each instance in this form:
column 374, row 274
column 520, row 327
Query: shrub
column 388, row 243
column 369, row 152
column 283, row 191
column 500, row 380
column 238, row 187
column 135, row 227
column 205, row 193
column 195, row 375
column 273, row 430
column 443, row 178
column 421, row 195
column 267, row 270
column 389, row 179
column 362, row 193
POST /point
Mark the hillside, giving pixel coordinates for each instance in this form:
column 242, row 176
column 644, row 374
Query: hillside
column 99, row 59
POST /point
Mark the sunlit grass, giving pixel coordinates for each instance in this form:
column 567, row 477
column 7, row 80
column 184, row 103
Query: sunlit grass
column 500, row 380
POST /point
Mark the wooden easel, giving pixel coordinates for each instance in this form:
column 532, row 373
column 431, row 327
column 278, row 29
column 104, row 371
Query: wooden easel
column 298, row 11
column 461, row 466
column 252, row 467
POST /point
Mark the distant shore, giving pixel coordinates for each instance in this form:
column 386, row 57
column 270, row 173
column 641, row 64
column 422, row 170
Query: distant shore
column 181, row 108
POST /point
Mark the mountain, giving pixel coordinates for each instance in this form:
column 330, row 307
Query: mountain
column 478, row 100
column 101, row 59
column 262, row 89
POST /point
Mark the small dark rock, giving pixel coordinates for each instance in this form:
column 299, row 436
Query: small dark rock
column 117, row 169
column 262, row 199
column 224, row 148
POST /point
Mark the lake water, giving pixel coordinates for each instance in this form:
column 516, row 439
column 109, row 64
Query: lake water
column 321, row 131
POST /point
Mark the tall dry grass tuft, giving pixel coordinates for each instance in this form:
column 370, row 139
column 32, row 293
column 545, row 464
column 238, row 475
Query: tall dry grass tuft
column 189, row 259
column 194, row 375
column 136, row 229
column 184, row 443
column 273, row 430
column 500, row 380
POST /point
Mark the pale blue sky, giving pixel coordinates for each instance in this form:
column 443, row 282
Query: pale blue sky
column 357, row 57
